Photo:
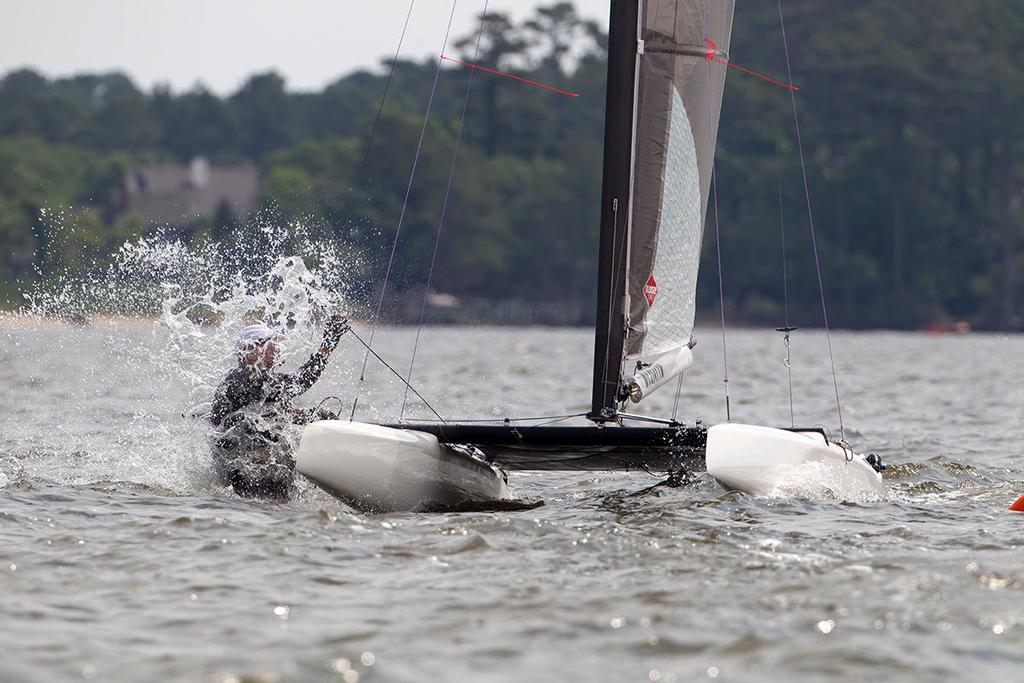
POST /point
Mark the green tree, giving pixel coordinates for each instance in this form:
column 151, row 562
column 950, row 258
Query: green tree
column 501, row 43
column 266, row 115
column 554, row 31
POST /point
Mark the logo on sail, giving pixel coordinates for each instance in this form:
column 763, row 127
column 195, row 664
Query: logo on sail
column 650, row 290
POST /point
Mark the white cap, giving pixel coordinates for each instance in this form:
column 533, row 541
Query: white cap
column 253, row 335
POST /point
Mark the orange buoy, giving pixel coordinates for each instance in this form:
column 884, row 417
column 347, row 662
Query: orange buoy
column 1018, row 506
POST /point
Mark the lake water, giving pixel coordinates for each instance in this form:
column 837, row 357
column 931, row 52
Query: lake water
column 122, row 560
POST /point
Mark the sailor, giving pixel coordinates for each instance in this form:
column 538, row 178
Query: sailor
column 252, row 409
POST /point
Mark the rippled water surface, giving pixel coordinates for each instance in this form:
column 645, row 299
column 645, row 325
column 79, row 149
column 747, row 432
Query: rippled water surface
column 121, row 560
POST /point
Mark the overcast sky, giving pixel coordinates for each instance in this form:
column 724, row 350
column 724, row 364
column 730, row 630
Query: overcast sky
column 221, row 42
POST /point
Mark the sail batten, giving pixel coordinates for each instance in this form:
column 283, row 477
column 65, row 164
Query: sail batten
column 679, row 85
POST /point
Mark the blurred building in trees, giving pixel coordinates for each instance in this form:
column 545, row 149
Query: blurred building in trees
column 171, row 194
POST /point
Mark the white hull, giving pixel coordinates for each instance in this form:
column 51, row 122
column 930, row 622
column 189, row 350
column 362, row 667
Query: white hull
column 765, row 461
column 381, row 469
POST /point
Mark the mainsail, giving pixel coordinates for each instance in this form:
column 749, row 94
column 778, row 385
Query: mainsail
column 661, row 64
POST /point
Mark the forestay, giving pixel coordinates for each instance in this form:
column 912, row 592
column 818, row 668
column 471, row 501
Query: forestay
column 679, row 95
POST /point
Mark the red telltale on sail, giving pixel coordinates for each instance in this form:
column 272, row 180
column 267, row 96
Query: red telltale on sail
column 504, row 74
column 711, row 54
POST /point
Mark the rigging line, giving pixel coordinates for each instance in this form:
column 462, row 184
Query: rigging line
column 611, row 305
column 675, row 402
column 387, row 86
column 785, row 295
column 679, row 383
column 477, row 67
column 623, row 256
column 401, row 217
column 397, row 374
column 627, row 256
column 810, row 220
column 649, row 418
column 787, row 86
column 788, row 327
column 619, row 254
column 444, row 209
column 712, row 57
column 552, row 421
column 718, row 236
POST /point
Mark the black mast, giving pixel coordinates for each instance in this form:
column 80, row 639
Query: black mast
column 615, row 209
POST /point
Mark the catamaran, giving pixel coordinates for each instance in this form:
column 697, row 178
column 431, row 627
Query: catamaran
column 667, row 64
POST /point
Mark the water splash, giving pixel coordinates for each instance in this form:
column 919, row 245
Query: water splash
column 819, row 481
column 165, row 313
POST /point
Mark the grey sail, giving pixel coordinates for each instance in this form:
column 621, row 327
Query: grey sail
column 679, row 97
column 661, row 120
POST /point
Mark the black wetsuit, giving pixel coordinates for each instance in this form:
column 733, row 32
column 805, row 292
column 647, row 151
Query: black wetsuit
column 248, row 385
column 250, row 413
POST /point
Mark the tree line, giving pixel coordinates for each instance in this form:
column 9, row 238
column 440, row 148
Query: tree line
column 908, row 117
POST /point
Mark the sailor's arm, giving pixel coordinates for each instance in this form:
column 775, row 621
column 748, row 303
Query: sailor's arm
column 310, row 372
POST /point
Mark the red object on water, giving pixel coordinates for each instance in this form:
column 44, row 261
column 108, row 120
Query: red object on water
column 508, row 75
column 1018, row 506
